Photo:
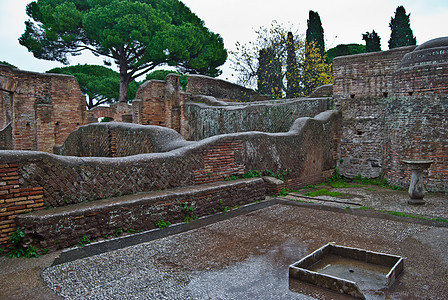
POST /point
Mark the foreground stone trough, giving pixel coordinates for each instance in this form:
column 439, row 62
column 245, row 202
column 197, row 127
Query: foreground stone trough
column 337, row 267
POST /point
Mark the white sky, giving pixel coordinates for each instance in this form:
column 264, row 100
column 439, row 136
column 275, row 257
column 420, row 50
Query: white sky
column 344, row 21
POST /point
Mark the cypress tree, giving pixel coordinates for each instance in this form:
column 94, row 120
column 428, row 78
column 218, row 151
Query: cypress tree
column 292, row 72
column 269, row 73
column 401, row 34
column 373, row 41
column 315, row 32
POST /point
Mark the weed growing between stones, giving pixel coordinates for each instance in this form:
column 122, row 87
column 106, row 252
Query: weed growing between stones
column 118, row 232
column 17, row 249
column 189, row 215
column 255, row 173
column 84, row 240
column 163, row 224
column 338, row 181
column 223, row 208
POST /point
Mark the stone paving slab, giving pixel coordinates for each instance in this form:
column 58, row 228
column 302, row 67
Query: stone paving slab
column 248, row 257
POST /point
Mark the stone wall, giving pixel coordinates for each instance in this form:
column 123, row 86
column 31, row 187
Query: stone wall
column 15, row 199
column 162, row 103
column 119, row 112
column 64, row 226
column 6, row 137
column 116, row 139
column 202, row 121
column 394, row 106
column 417, row 128
column 367, row 74
column 43, row 108
column 308, row 150
column 221, row 89
column 362, row 83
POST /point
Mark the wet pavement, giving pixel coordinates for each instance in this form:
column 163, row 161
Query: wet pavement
column 246, row 255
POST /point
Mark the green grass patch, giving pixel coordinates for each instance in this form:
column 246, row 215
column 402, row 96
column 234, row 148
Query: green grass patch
column 325, row 192
column 406, row 215
column 364, row 207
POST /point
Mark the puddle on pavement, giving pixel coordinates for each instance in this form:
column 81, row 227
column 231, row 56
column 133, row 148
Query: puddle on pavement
column 262, row 276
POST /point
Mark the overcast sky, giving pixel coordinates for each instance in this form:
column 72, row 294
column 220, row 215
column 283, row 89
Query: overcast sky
column 344, row 21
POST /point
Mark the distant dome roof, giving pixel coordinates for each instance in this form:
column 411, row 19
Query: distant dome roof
column 429, row 53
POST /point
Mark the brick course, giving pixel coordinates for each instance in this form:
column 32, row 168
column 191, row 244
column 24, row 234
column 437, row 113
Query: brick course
column 15, row 199
column 395, row 106
column 307, row 150
column 43, row 109
column 63, row 227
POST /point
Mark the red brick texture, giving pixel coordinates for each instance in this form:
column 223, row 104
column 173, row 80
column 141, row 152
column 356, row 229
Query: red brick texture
column 307, row 150
column 394, row 106
column 15, row 199
column 43, row 108
column 64, row 226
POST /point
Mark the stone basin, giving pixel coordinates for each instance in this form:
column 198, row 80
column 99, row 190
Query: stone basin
column 348, row 270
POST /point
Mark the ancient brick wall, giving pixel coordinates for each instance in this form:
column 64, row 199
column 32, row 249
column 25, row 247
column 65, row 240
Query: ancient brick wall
column 15, row 199
column 162, row 103
column 417, row 128
column 306, row 153
column 65, row 226
column 119, row 112
column 6, row 137
column 116, row 139
column 202, row 121
column 362, row 83
column 367, row 74
column 68, row 180
column 221, row 89
column 394, row 107
column 43, row 108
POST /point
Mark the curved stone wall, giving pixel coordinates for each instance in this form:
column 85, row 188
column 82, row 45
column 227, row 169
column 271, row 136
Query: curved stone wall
column 308, row 150
column 114, row 139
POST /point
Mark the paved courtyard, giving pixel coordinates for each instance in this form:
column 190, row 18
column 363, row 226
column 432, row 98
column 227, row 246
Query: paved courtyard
column 244, row 256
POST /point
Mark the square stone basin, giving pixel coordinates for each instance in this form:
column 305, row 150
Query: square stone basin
column 348, row 270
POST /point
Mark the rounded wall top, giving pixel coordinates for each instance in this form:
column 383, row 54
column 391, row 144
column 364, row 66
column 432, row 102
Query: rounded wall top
column 435, row 43
column 429, row 53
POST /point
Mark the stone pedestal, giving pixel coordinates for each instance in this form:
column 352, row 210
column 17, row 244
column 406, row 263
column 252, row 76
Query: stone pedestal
column 416, row 188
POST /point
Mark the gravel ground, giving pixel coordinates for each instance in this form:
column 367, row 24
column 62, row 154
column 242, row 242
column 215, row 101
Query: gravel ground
column 247, row 256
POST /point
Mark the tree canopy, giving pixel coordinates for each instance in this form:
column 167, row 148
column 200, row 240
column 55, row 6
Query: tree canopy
column 8, row 64
column 138, row 35
column 315, row 32
column 373, row 41
column 99, row 83
column 344, row 49
column 246, row 61
column 269, row 73
column 159, row 74
column 316, row 70
column 401, row 32
column 292, row 69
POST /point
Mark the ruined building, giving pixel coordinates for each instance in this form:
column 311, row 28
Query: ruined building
column 391, row 106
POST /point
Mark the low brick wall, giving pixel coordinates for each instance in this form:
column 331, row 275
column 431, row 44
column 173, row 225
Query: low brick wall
column 308, row 151
column 15, row 199
column 64, row 226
